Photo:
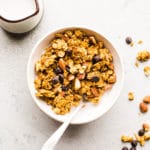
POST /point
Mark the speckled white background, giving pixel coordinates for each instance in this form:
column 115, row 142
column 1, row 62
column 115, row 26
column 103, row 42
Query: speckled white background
column 24, row 127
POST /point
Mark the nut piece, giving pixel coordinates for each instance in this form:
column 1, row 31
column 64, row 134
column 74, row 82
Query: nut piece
column 146, row 99
column 125, row 138
column 71, row 77
column 95, row 92
column 143, row 107
column 62, row 64
column 146, row 127
column 147, row 70
column 77, row 84
column 131, row 96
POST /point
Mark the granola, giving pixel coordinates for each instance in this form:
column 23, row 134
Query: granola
column 74, row 67
column 143, row 56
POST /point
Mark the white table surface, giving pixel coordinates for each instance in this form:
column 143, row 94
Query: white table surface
column 24, row 127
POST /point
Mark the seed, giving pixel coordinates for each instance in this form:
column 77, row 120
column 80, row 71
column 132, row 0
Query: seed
column 125, row 148
column 95, row 79
column 132, row 148
column 58, row 70
column 69, row 52
column 134, row 143
column 96, row 59
column 128, row 40
column 61, row 78
column 141, row 132
column 64, row 88
column 55, row 80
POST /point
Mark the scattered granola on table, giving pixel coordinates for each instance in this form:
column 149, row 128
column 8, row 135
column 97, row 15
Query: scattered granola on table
column 140, row 138
column 131, row 96
column 147, row 70
column 143, row 56
column 74, row 67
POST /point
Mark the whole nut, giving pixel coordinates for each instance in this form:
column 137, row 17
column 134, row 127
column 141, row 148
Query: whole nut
column 77, row 84
column 143, row 107
column 146, row 99
column 146, row 127
column 62, row 64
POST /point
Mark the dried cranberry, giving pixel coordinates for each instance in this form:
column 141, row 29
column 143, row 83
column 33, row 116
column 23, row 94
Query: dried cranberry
column 58, row 70
column 95, row 59
column 95, row 79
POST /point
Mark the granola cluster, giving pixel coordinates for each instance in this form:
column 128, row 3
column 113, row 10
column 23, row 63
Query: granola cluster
column 74, row 67
column 143, row 56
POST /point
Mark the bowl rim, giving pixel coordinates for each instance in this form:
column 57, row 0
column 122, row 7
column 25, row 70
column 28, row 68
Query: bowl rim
column 69, row 28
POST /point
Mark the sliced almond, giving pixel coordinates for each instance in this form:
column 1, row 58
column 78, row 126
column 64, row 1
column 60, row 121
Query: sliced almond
column 62, row 64
column 95, row 92
column 146, row 99
column 108, row 86
column 71, row 77
column 81, row 76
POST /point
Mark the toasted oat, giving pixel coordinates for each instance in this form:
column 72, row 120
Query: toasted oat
column 131, row 96
column 125, row 138
column 140, row 42
column 147, row 70
column 74, row 64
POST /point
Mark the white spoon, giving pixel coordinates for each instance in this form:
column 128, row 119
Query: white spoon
column 53, row 140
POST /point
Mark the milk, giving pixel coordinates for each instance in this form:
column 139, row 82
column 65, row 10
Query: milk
column 17, row 9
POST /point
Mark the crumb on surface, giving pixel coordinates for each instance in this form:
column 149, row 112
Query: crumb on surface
column 140, row 42
column 131, row 96
column 147, row 70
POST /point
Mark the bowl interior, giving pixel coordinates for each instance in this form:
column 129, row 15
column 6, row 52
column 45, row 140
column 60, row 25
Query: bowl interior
column 90, row 112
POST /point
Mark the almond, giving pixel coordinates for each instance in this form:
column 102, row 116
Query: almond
column 146, row 127
column 81, row 76
column 62, row 64
column 71, row 77
column 143, row 107
column 95, row 92
column 146, row 99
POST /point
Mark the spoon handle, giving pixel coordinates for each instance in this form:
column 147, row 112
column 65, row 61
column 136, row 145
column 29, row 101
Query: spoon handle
column 52, row 141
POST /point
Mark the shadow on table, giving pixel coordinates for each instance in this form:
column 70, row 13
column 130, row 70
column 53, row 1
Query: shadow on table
column 15, row 35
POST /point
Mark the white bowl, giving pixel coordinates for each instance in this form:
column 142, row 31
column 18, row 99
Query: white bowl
column 21, row 24
column 90, row 112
